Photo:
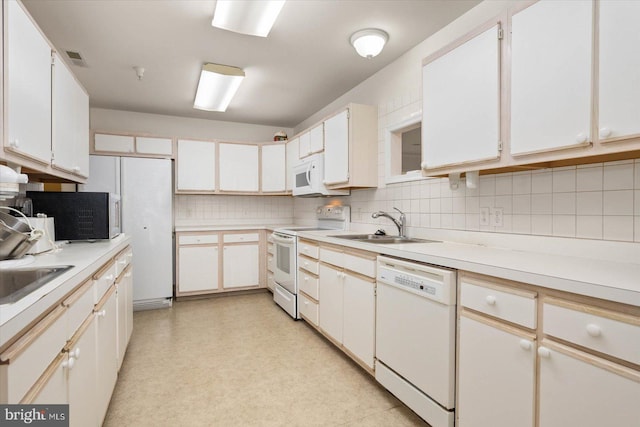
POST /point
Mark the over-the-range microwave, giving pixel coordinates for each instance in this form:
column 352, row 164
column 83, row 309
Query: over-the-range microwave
column 81, row 215
column 308, row 177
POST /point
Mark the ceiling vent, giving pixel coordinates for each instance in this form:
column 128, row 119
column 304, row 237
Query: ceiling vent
column 76, row 58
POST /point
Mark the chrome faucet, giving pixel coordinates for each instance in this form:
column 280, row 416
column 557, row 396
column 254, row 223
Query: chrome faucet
column 400, row 223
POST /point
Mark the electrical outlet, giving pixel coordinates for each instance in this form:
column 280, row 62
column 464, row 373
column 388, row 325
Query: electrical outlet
column 484, row 216
column 498, row 217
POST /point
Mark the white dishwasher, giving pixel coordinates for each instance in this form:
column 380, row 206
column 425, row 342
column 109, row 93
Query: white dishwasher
column 415, row 337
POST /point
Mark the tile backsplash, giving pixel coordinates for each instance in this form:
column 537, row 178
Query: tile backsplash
column 227, row 209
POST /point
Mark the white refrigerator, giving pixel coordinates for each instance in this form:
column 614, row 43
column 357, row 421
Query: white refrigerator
column 145, row 189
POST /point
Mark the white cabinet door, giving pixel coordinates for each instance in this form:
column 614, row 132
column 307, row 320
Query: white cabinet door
column 28, row 89
column 197, row 268
column 196, row 165
column 82, row 379
column 113, row 143
column 273, row 168
column 55, row 389
column 304, row 144
column 331, row 301
column 238, row 167
column 292, row 160
column 551, row 76
column 579, row 390
column 461, row 103
column 240, row 266
column 153, row 145
column 316, row 139
column 619, row 85
column 70, row 139
column 336, row 148
column 496, row 376
column 107, row 358
column 359, row 318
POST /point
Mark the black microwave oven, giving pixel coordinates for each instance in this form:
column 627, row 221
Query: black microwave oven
column 79, row 216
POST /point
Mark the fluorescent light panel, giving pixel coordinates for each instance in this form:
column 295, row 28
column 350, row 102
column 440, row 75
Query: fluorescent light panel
column 217, row 86
column 253, row 17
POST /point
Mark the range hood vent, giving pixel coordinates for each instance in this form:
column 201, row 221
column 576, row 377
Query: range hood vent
column 76, row 58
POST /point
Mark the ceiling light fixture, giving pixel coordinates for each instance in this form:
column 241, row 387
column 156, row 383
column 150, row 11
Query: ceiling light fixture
column 217, row 86
column 369, row 42
column 247, row 16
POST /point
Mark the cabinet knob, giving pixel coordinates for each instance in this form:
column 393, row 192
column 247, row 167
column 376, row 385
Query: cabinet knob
column 594, row 330
column 109, row 278
column 604, row 132
column 69, row 362
column 544, row 352
column 76, row 169
column 581, row 138
column 75, row 353
column 101, row 313
column 15, row 143
column 306, row 278
column 525, row 344
column 490, row 299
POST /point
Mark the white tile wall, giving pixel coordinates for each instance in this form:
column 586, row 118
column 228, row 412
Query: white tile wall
column 226, row 209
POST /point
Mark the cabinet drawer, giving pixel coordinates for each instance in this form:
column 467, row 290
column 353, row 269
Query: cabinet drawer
column 25, row 361
column 308, row 309
column 332, row 257
column 103, row 280
column 308, row 264
column 247, row 237
column 513, row 306
column 270, row 263
column 601, row 330
column 308, row 284
column 364, row 266
column 309, row 249
column 198, row 239
column 79, row 307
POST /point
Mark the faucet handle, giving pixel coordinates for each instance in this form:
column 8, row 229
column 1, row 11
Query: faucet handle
column 401, row 213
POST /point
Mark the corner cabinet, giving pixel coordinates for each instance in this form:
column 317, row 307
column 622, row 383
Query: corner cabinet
column 461, row 101
column 351, row 148
column 273, row 168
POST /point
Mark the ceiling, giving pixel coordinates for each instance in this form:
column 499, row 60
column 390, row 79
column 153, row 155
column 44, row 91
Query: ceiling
column 304, row 64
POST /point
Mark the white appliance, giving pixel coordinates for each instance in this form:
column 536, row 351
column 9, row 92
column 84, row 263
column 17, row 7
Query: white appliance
column 308, row 178
column 415, row 337
column 145, row 188
column 46, row 242
column 285, row 241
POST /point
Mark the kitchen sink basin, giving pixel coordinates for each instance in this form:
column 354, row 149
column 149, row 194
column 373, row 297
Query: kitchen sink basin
column 16, row 284
column 382, row 239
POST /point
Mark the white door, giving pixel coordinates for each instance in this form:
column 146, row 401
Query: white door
column 461, row 103
column 198, row 268
column 240, row 266
column 147, row 218
column 581, row 391
column 28, row 89
column 238, row 167
column 292, row 159
column 82, row 378
column 496, row 376
column 196, row 165
column 316, row 139
column 359, row 318
column 551, row 76
column 331, row 302
column 336, row 149
column 619, row 85
column 273, row 168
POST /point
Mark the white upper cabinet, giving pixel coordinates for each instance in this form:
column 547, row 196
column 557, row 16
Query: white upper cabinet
column 619, row 65
column 196, row 166
column 70, row 131
column 154, row 145
column 273, row 168
column 461, row 103
column 551, row 55
column 304, row 144
column 238, row 167
column 28, row 90
column 292, row 159
column 108, row 143
column 336, row 149
column 316, row 139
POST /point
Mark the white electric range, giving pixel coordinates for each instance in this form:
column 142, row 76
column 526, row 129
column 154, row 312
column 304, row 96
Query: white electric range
column 285, row 241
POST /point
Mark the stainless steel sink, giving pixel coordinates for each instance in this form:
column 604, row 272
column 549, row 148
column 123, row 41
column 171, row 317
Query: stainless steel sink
column 382, row 239
column 15, row 284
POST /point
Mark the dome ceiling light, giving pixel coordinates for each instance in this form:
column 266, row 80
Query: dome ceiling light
column 369, row 42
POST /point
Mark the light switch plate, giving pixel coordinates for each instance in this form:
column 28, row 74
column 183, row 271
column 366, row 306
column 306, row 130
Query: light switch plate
column 498, row 217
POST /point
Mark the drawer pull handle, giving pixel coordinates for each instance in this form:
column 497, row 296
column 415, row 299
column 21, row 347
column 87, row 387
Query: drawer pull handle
column 594, row 330
column 525, row 344
column 490, row 299
column 544, row 352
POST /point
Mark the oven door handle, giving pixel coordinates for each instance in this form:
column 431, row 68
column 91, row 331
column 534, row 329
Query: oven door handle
column 283, row 240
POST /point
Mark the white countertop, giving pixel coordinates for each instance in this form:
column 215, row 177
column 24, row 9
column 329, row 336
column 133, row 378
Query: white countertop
column 217, row 227
column 86, row 257
column 600, row 278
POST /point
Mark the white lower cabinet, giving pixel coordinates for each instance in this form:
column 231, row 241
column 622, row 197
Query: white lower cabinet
column 107, row 355
column 331, row 301
column 198, row 268
column 82, row 374
column 577, row 389
column 124, row 294
column 358, row 335
column 240, row 266
column 496, row 371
